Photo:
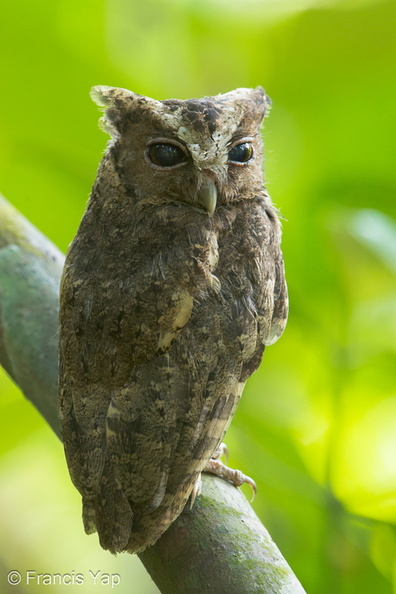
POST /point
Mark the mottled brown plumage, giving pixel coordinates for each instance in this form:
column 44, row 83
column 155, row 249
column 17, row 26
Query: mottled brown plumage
column 172, row 288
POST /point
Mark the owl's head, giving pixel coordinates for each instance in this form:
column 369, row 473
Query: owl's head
column 200, row 153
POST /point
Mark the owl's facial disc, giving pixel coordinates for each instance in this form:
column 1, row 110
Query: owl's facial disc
column 166, row 154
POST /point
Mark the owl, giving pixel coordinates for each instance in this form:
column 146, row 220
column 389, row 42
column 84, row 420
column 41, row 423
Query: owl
column 172, row 288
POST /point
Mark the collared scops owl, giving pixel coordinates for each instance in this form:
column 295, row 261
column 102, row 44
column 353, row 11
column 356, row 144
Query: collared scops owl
column 172, row 288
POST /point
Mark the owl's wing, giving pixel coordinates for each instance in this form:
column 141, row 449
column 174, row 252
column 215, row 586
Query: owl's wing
column 111, row 428
column 158, row 452
column 273, row 306
column 281, row 303
column 143, row 429
column 82, row 413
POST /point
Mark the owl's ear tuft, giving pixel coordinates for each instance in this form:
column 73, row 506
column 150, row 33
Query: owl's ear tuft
column 101, row 95
column 105, row 96
column 117, row 103
column 253, row 102
column 262, row 102
column 264, row 97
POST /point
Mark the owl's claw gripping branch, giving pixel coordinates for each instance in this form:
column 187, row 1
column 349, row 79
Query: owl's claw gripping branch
column 236, row 477
column 214, row 466
column 221, row 451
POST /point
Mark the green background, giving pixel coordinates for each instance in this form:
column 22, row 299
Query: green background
column 316, row 426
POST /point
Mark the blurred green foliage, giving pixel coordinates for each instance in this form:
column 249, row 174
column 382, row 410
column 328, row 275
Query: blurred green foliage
column 317, row 424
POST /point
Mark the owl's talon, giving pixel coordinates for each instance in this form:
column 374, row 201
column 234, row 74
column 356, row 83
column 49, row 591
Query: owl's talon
column 241, row 478
column 196, row 490
column 221, row 451
column 236, row 477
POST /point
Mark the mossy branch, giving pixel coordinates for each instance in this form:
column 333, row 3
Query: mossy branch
column 220, row 544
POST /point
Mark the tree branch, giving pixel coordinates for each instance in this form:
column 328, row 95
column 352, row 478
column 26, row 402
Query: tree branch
column 220, row 544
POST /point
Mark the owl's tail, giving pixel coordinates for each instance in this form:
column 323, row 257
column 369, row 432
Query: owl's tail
column 110, row 515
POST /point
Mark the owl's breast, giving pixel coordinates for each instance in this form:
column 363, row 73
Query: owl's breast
column 125, row 303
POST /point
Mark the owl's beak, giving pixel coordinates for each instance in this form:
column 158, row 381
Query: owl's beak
column 207, row 196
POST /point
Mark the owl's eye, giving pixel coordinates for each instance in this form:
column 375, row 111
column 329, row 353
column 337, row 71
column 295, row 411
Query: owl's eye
column 166, row 155
column 241, row 153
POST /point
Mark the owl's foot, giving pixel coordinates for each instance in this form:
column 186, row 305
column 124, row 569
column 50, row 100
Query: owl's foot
column 236, row 477
column 222, row 450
